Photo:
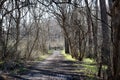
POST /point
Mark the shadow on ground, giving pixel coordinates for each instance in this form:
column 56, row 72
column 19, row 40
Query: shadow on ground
column 55, row 68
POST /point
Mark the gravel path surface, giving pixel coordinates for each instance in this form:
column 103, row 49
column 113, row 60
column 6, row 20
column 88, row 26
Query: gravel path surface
column 55, row 67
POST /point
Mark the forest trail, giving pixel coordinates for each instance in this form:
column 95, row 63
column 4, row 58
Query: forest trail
column 55, row 67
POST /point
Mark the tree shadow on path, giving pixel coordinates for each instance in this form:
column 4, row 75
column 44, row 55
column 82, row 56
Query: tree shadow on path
column 56, row 68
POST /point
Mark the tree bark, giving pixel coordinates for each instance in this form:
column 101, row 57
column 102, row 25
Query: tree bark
column 66, row 46
column 95, row 34
column 116, row 39
column 89, row 23
column 1, row 45
column 110, row 4
column 17, row 25
column 105, row 49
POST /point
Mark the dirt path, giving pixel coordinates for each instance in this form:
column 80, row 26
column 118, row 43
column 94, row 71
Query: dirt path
column 55, row 67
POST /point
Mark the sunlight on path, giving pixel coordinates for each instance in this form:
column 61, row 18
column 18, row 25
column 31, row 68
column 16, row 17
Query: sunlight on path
column 52, row 57
column 55, row 67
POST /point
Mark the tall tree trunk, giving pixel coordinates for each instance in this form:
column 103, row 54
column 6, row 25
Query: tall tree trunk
column 80, row 57
column 116, row 39
column 111, row 37
column 17, row 34
column 89, row 28
column 17, row 25
column 95, row 34
column 105, row 49
column 0, row 31
column 66, row 46
column 95, row 28
column 1, row 45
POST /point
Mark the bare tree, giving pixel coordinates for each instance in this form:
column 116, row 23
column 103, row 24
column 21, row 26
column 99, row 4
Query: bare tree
column 115, row 12
column 105, row 50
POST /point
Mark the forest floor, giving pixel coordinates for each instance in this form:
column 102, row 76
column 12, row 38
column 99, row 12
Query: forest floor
column 55, row 67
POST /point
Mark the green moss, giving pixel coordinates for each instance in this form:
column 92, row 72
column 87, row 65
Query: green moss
column 1, row 62
column 89, row 67
column 50, row 51
column 88, row 61
column 43, row 57
column 67, row 56
column 91, row 78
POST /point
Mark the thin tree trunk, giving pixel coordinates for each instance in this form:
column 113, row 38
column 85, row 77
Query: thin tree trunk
column 100, row 69
column 35, row 40
column 0, row 30
column 1, row 44
column 17, row 26
column 95, row 34
column 89, row 28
